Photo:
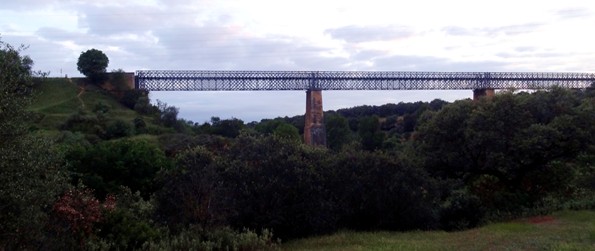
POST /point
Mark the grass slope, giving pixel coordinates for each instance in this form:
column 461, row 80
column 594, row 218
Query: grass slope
column 568, row 230
column 58, row 98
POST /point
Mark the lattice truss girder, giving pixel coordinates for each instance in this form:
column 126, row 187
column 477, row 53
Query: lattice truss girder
column 163, row 80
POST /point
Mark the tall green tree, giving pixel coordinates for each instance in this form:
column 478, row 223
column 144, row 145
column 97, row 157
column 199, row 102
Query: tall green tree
column 337, row 131
column 369, row 133
column 93, row 64
column 31, row 176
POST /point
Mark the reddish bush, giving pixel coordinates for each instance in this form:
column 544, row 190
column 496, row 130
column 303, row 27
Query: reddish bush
column 78, row 210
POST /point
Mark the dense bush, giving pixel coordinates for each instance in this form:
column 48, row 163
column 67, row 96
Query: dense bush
column 274, row 183
column 511, row 151
column 111, row 164
column 377, row 191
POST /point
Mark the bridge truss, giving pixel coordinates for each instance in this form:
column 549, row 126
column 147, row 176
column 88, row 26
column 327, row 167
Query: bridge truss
column 165, row 80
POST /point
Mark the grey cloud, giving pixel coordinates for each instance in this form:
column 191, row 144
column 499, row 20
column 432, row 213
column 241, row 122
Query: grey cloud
column 55, row 34
column 532, row 52
column 28, row 4
column 218, row 47
column 358, row 34
column 492, row 31
column 47, row 55
column 457, row 31
column 425, row 63
column 114, row 20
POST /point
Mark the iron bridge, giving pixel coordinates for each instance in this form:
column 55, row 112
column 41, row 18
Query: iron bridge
column 176, row 80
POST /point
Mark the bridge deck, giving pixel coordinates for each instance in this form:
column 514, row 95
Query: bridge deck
column 165, row 80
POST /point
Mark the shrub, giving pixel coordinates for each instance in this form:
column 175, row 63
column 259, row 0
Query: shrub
column 377, row 191
column 127, row 162
column 461, row 210
column 118, row 128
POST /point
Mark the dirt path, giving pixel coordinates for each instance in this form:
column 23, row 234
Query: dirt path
column 81, row 92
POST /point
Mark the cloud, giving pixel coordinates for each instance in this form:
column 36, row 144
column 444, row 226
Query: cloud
column 214, row 46
column 27, row 5
column 359, row 34
column 428, row 63
column 115, row 20
column 573, row 13
column 509, row 30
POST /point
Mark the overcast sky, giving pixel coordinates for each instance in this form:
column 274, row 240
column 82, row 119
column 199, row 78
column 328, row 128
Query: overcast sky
column 371, row 35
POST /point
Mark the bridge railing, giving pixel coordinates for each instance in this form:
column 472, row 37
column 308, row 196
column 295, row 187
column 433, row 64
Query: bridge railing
column 164, row 80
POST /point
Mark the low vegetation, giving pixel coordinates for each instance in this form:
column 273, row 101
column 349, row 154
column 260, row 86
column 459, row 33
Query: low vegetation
column 84, row 168
column 566, row 230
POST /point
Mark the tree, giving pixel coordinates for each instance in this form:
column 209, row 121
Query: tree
column 93, row 64
column 337, row 131
column 111, row 164
column 287, row 131
column 370, row 134
column 31, row 176
column 227, row 127
column 509, row 151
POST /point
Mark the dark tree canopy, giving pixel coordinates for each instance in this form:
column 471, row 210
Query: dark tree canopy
column 30, row 173
column 93, row 64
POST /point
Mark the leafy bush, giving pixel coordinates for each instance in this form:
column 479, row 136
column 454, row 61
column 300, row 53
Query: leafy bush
column 85, row 123
column 461, row 210
column 127, row 162
column 118, row 128
column 129, row 226
column 275, row 183
column 377, row 191
column 132, row 97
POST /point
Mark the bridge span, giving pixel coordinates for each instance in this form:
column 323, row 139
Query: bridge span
column 313, row 82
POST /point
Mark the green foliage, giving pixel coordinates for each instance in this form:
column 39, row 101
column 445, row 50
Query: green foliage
column 139, row 125
column 274, row 183
column 144, row 107
column 93, row 64
column 130, row 98
column 566, row 230
column 196, row 238
column 337, row 131
column 32, row 177
column 118, row 129
column 85, row 123
column 111, row 164
column 15, row 91
column 129, row 226
column 510, row 151
column 189, row 195
column 369, row 132
column 377, row 191
column 101, row 108
column 168, row 116
column 31, row 174
column 461, row 210
column 287, row 131
column 227, row 127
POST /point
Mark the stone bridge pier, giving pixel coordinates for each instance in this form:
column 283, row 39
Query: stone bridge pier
column 487, row 92
column 314, row 131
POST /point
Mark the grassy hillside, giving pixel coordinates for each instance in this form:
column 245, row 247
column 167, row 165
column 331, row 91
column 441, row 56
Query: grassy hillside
column 58, row 98
column 569, row 230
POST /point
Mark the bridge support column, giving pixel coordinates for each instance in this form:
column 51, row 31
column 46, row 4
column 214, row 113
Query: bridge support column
column 478, row 93
column 314, row 132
